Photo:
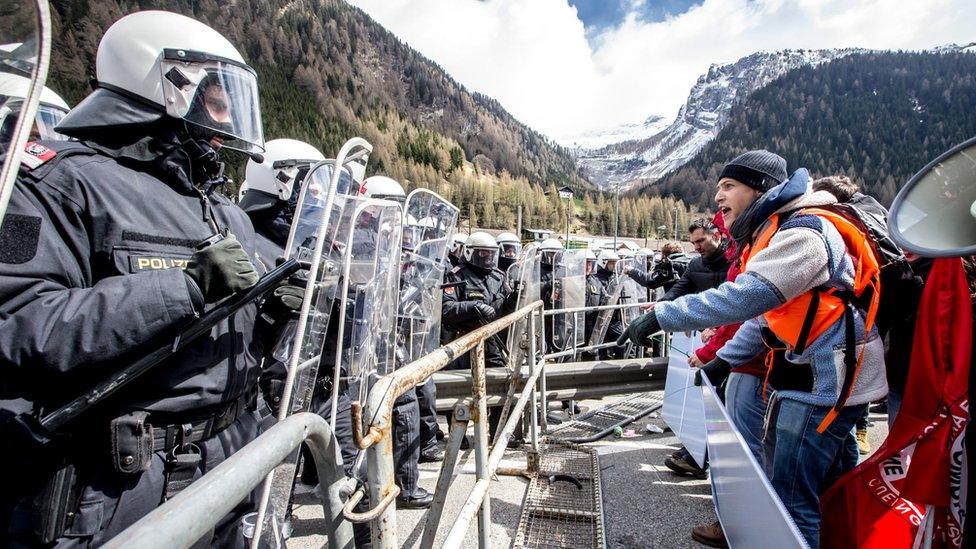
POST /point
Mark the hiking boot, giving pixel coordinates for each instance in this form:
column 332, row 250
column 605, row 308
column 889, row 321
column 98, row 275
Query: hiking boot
column 685, row 468
column 710, row 535
column 863, row 444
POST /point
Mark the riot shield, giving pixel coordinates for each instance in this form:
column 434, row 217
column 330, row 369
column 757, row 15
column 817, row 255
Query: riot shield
column 611, row 296
column 523, row 277
column 568, row 292
column 371, row 276
column 25, row 32
column 324, row 213
column 631, row 292
column 428, row 229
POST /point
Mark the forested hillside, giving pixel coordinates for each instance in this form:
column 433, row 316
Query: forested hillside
column 327, row 72
column 876, row 117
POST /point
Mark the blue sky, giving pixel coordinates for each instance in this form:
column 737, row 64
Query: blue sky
column 568, row 67
column 598, row 15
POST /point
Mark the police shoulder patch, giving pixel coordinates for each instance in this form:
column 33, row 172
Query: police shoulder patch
column 35, row 155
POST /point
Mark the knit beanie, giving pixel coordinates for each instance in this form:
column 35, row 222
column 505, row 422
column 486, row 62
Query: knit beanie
column 759, row 169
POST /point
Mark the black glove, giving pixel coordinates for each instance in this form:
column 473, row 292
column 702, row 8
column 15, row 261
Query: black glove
column 717, row 371
column 221, row 269
column 485, row 312
column 283, row 303
column 640, row 330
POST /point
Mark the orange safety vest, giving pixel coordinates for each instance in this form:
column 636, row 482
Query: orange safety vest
column 806, row 317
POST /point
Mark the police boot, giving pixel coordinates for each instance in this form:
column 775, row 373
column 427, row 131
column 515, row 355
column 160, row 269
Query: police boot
column 420, row 499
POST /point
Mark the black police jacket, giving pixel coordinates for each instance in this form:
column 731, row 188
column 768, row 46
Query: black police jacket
column 599, row 284
column 464, row 287
column 91, row 279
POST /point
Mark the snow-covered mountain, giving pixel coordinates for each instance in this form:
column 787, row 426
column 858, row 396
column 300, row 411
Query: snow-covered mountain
column 597, row 139
column 645, row 158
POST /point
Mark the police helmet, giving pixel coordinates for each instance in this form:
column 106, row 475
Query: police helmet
column 509, row 245
column 607, row 260
column 52, row 108
column 549, row 249
column 481, row 251
column 165, row 64
column 285, row 162
column 381, row 186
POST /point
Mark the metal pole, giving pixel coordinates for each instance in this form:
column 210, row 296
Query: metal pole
column 675, row 222
column 183, row 520
column 519, row 222
column 379, row 470
column 616, row 216
column 544, row 419
column 479, row 392
column 459, row 426
column 533, row 366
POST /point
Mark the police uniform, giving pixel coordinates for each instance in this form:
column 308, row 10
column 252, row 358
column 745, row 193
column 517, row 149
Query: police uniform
column 465, row 286
column 90, row 278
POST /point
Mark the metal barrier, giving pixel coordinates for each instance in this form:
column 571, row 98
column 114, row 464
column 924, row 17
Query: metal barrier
column 183, row 520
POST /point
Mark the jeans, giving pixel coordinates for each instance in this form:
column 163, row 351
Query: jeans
column 747, row 410
column 803, row 462
column 894, row 405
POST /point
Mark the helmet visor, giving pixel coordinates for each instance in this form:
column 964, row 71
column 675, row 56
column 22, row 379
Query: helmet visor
column 218, row 95
column 510, row 250
column 47, row 118
column 485, row 258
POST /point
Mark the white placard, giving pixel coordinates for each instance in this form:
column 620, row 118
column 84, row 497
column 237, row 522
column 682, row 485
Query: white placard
column 751, row 513
column 683, row 408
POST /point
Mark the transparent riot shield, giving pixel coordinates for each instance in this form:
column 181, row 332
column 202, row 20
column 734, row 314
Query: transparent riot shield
column 324, row 213
column 25, row 51
column 369, row 296
column 631, row 293
column 611, row 296
column 568, row 292
column 523, row 277
column 429, row 224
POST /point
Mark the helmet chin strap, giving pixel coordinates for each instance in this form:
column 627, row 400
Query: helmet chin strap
column 205, row 164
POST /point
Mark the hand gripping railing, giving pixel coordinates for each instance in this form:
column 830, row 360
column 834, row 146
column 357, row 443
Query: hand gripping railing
column 378, row 441
column 183, row 520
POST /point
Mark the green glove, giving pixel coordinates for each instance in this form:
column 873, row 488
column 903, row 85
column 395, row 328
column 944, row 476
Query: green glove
column 640, row 330
column 221, row 269
column 283, row 303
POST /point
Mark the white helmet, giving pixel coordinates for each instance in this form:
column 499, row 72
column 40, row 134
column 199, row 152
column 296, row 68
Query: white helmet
column 549, row 249
column 481, row 250
column 626, row 253
column 509, row 245
column 381, row 186
column 13, row 91
column 186, row 69
column 607, row 260
column 590, row 261
column 285, row 160
column 416, row 231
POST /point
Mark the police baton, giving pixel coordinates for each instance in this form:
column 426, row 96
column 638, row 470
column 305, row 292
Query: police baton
column 222, row 311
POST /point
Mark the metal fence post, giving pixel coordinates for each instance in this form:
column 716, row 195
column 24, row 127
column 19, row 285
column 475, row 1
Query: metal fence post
column 379, row 469
column 459, row 426
column 541, row 342
column 480, row 395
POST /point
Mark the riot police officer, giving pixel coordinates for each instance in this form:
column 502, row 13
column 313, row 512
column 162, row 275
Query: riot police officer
column 111, row 243
column 509, row 247
column 606, row 264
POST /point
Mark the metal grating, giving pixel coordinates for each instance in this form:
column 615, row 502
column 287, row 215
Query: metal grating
column 556, row 513
column 600, row 422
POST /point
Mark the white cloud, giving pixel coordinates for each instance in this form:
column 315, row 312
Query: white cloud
column 533, row 56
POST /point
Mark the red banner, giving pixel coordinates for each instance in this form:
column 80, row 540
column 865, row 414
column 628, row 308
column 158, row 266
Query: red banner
column 882, row 502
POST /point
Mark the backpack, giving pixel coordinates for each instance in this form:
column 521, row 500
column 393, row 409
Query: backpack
column 896, row 271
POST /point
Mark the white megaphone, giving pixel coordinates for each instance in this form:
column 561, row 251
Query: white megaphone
column 934, row 214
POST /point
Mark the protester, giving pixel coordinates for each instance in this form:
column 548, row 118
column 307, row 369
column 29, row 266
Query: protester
column 666, row 272
column 793, row 250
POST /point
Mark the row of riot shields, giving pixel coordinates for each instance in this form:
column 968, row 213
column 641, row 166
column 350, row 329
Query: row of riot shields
column 523, row 277
column 373, row 268
column 568, row 292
